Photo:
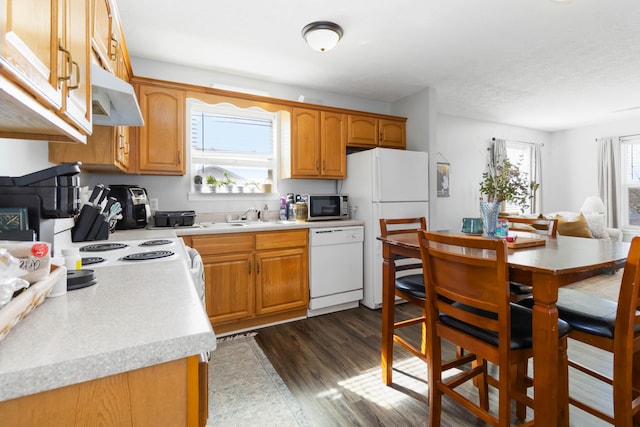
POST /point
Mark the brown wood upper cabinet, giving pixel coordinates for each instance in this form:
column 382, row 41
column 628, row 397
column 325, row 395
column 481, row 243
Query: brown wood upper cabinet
column 107, row 149
column 318, row 145
column 159, row 145
column 105, row 38
column 44, row 70
column 370, row 132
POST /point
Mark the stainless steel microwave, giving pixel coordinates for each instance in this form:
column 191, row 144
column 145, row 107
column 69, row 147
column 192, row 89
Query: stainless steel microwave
column 326, row 206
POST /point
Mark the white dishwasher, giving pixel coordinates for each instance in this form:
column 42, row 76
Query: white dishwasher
column 335, row 269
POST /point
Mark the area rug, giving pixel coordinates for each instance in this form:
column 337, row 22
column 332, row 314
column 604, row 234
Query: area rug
column 245, row 389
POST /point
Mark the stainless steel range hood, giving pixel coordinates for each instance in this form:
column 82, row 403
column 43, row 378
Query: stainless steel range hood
column 113, row 101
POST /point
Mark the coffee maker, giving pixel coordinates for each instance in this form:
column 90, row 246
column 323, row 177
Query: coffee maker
column 135, row 206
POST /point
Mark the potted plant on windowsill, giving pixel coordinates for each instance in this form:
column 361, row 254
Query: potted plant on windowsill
column 503, row 183
column 213, row 183
column 197, row 182
column 227, row 182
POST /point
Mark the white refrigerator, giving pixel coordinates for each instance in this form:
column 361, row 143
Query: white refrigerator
column 384, row 183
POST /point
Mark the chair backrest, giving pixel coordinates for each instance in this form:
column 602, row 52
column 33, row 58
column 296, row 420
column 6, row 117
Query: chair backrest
column 545, row 226
column 627, row 315
column 390, row 226
column 472, row 271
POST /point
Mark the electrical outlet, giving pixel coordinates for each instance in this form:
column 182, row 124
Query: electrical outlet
column 153, row 204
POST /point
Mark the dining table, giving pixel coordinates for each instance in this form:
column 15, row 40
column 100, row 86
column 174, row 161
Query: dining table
column 556, row 262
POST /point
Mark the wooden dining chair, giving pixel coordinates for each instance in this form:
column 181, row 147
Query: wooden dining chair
column 408, row 286
column 467, row 301
column 548, row 227
column 614, row 328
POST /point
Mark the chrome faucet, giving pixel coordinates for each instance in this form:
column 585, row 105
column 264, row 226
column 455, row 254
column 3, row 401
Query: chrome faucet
column 250, row 210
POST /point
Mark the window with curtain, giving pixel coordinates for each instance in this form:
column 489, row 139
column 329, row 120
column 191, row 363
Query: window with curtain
column 522, row 154
column 630, row 183
column 233, row 144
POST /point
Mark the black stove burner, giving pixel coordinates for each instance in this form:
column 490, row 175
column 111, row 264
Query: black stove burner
column 157, row 242
column 92, row 260
column 145, row 256
column 100, row 247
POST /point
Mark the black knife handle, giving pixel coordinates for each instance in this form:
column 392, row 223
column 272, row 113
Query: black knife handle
column 97, row 189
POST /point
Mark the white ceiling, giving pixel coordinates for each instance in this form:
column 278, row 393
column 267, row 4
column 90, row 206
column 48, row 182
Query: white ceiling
column 541, row 64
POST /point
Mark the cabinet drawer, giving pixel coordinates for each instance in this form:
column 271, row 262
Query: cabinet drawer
column 223, row 243
column 281, row 239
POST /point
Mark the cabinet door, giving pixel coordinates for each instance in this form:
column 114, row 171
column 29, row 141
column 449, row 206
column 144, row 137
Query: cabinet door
column 281, row 280
column 333, row 144
column 392, row 133
column 122, row 147
column 160, row 143
column 76, row 106
column 305, row 143
column 229, row 289
column 102, row 37
column 98, row 155
column 362, row 131
column 29, row 47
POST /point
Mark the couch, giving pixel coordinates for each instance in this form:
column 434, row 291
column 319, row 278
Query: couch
column 585, row 224
column 577, row 224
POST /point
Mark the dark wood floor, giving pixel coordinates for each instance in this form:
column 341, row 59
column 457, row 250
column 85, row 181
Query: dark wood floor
column 331, row 364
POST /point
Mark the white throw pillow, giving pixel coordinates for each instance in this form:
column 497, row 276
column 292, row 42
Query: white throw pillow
column 596, row 225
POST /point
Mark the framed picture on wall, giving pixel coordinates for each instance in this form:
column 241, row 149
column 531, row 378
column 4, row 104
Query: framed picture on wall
column 443, row 180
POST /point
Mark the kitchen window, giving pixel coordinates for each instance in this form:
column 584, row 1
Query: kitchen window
column 232, row 149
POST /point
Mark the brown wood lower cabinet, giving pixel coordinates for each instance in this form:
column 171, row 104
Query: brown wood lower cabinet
column 253, row 279
column 160, row 395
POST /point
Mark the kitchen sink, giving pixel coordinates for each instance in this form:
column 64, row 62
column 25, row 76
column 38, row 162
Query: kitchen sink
column 221, row 224
column 249, row 224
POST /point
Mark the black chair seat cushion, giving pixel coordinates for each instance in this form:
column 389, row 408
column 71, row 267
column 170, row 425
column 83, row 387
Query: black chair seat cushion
column 521, row 326
column 520, row 288
column 585, row 312
column 412, row 284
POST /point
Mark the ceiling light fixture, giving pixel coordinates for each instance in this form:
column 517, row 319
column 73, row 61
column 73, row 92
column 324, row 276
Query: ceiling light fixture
column 322, row 35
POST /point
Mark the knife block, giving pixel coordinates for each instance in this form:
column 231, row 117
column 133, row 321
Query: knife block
column 90, row 225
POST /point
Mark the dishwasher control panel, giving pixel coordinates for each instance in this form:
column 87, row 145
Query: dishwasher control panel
column 335, row 235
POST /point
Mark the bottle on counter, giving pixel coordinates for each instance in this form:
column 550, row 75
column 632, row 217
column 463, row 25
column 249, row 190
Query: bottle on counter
column 290, row 206
column 283, row 208
column 301, row 211
column 72, row 259
column 267, row 185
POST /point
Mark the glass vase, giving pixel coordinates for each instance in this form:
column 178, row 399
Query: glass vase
column 490, row 212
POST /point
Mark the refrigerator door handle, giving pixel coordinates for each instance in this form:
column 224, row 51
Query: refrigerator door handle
column 378, row 179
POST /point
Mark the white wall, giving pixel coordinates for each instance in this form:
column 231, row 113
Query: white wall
column 206, row 78
column 463, row 143
column 575, row 162
column 20, row 157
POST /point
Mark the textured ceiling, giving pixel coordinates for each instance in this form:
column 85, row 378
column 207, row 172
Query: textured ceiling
column 541, row 64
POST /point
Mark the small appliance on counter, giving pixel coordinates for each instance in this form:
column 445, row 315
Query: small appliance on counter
column 134, row 200
column 174, row 218
column 322, row 207
column 47, row 196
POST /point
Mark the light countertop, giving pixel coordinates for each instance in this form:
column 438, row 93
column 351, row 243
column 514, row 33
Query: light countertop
column 136, row 316
column 248, row 227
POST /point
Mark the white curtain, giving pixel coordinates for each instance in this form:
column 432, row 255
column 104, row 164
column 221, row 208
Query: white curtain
column 608, row 178
column 536, row 175
column 500, row 154
column 499, row 151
